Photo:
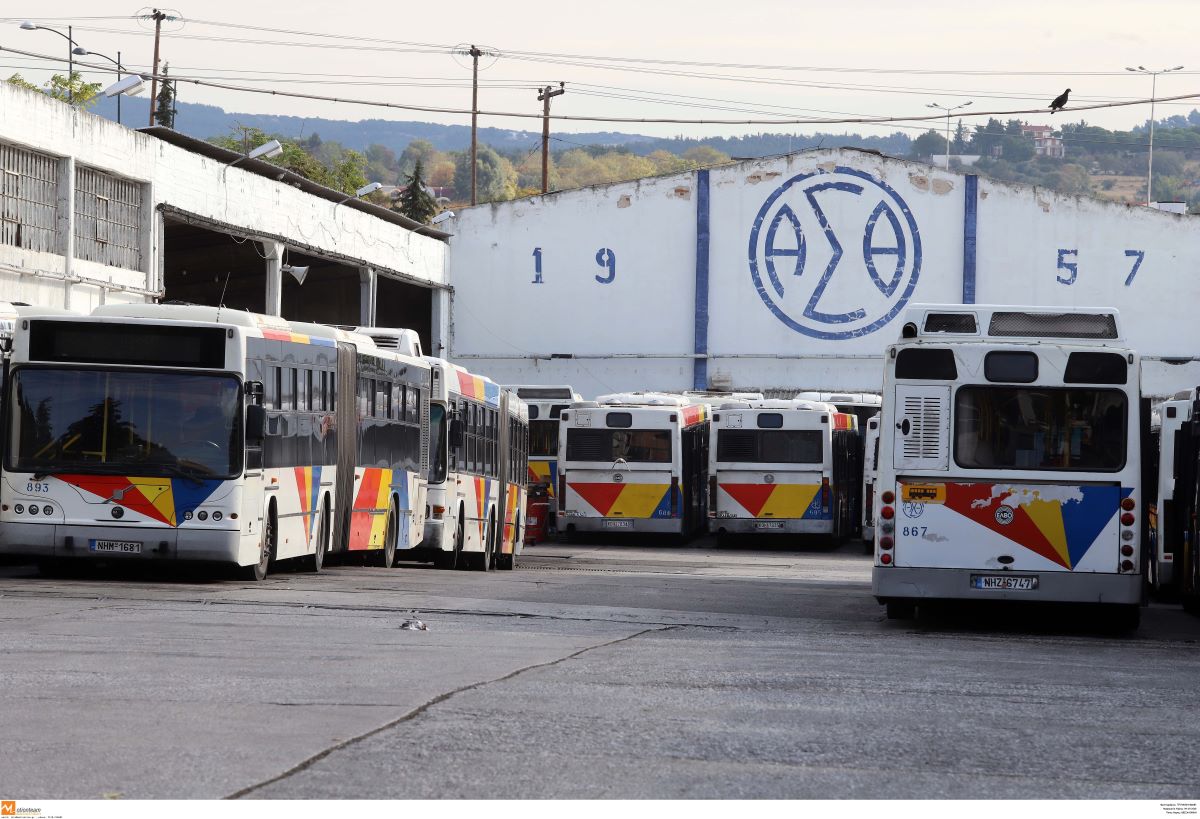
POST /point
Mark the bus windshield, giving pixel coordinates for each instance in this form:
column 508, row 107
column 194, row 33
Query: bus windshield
column 631, row 445
column 770, row 446
column 118, row 421
column 1040, row 428
column 437, row 435
column 543, row 438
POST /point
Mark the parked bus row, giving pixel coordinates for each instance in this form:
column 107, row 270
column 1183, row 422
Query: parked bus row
column 179, row 432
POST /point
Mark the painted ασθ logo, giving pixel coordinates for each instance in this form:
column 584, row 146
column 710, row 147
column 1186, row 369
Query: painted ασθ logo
column 835, row 254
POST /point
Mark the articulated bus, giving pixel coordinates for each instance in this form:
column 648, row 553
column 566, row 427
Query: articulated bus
column 633, row 462
column 479, row 440
column 870, row 473
column 1010, row 460
column 179, row 432
column 1174, row 560
column 546, row 404
column 782, row 466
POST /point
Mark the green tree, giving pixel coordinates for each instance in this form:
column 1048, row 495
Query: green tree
column 418, row 149
column 701, row 155
column 345, row 173
column 164, row 111
column 80, row 93
column 928, row 144
column 416, row 202
column 495, row 177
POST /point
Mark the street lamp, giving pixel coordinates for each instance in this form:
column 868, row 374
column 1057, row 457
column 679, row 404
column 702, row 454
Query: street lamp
column 83, row 52
column 948, row 110
column 31, row 26
column 370, row 187
column 1141, row 69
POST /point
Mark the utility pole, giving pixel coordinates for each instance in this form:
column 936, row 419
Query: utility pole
column 475, row 55
column 157, row 16
column 545, row 95
column 1141, row 69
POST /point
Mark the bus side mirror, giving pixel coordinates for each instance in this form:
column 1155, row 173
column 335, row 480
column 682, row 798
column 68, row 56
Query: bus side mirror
column 256, row 424
column 456, row 433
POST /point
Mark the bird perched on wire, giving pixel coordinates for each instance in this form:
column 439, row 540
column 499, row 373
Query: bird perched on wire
column 1060, row 101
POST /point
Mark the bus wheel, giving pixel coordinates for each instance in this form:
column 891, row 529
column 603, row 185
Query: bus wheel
column 483, row 562
column 901, row 610
column 387, row 555
column 258, row 571
column 316, row 561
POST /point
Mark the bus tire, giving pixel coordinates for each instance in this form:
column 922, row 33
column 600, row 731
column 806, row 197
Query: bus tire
column 506, row 562
column 482, row 561
column 266, row 546
column 316, row 561
column 901, row 610
column 387, row 555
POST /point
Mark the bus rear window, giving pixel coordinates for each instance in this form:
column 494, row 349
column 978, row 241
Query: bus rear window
column 926, row 364
column 1014, row 367
column 543, row 438
column 607, row 445
column 1038, row 428
column 776, row 446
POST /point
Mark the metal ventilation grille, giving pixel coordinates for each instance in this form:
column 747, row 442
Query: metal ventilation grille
column 1054, row 325
column 924, row 440
column 387, row 342
column 951, row 323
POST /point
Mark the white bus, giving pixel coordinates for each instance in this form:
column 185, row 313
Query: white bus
column 870, row 473
column 546, row 404
column 1174, row 551
column 179, row 432
column 862, row 405
column 479, row 438
column 633, row 462
column 782, row 466
column 1010, row 460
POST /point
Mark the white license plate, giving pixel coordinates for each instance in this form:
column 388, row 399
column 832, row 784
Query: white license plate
column 531, row 521
column 1002, row 582
column 618, row 524
column 126, row 547
column 769, row 525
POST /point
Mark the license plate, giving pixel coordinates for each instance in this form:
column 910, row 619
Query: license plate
column 127, row 547
column 531, row 521
column 618, row 524
column 1002, row 582
column 769, row 525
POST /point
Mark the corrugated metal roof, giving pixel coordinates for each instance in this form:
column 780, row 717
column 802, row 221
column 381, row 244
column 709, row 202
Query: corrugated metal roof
column 258, row 166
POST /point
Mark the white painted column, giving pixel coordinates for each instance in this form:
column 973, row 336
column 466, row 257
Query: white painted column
column 66, row 222
column 368, row 281
column 439, row 322
column 273, row 253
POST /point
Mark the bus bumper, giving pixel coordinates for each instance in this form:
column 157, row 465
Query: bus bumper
column 77, row 541
column 435, row 535
column 899, row 583
column 753, row 526
column 618, row 526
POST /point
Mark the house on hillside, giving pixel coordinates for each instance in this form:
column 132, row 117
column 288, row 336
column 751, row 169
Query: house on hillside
column 1045, row 141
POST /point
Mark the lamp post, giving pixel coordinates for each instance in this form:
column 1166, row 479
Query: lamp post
column 948, row 111
column 31, row 26
column 83, row 52
column 1141, row 69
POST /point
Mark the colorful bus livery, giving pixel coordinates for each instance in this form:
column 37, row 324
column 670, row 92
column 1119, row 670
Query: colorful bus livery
column 546, row 405
column 633, row 462
column 1010, row 460
column 178, row 432
column 779, row 466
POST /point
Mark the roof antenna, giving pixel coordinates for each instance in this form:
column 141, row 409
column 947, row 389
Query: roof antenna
column 221, row 301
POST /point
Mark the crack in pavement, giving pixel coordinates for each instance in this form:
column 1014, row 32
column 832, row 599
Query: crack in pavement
column 421, row 709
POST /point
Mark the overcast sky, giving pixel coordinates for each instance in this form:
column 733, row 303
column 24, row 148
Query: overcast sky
column 771, row 49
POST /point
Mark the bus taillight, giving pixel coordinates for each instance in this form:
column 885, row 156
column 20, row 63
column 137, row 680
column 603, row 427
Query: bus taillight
column 825, row 493
column 1127, row 504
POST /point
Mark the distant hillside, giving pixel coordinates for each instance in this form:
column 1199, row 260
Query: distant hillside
column 204, row 121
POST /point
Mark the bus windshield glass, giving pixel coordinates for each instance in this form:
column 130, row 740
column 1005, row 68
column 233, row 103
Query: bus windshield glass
column 437, row 436
column 631, row 445
column 1042, row 428
column 543, row 438
column 119, row 421
column 773, row 446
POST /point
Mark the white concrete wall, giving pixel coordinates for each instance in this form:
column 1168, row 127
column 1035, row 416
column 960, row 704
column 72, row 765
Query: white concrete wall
column 638, row 330
column 192, row 183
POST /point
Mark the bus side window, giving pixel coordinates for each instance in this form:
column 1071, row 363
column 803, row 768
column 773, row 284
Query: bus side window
column 287, row 393
column 271, row 389
column 302, row 389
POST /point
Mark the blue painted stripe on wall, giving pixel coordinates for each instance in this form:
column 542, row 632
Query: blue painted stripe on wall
column 700, row 365
column 970, row 226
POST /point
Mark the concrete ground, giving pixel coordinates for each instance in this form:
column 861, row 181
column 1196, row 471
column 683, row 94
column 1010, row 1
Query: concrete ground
column 619, row 670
